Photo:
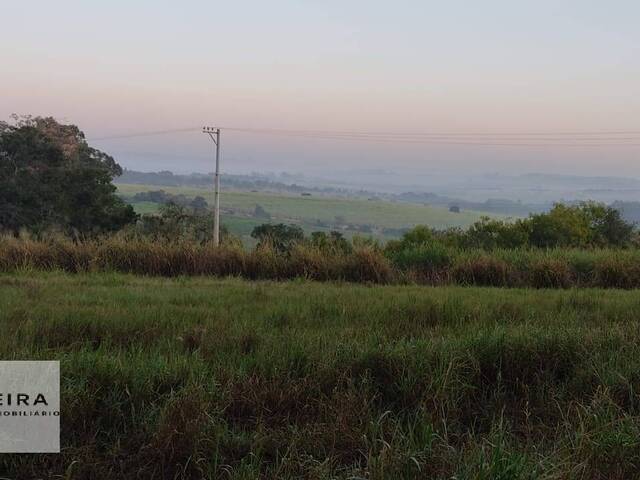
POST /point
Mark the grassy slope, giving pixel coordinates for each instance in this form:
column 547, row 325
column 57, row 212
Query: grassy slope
column 310, row 209
column 194, row 377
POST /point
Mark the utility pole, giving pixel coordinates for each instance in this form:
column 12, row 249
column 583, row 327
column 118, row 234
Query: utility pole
column 214, row 134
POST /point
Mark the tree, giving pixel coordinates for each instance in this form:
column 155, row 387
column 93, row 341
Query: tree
column 177, row 222
column 334, row 242
column 260, row 212
column 282, row 237
column 562, row 226
column 489, row 233
column 607, row 226
column 155, row 196
column 51, row 177
column 587, row 224
column 418, row 236
column 199, row 204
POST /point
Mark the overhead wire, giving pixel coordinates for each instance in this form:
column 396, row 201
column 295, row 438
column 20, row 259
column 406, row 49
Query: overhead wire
column 603, row 138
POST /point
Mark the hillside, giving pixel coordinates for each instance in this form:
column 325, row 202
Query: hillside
column 380, row 218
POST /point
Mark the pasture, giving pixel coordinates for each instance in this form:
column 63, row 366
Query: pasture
column 316, row 212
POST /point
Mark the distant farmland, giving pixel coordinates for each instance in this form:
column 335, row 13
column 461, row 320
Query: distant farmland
column 379, row 218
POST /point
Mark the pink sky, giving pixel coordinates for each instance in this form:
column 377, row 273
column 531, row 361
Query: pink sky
column 492, row 66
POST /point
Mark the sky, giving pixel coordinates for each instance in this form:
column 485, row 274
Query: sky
column 122, row 67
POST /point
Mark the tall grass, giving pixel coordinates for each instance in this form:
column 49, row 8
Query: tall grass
column 553, row 268
column 190, row 378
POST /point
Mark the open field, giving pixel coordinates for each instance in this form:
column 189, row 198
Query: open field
column 204, row 378
column 309, row 211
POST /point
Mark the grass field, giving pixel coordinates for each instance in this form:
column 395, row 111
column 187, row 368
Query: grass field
column 308, row 211
column 205, row 378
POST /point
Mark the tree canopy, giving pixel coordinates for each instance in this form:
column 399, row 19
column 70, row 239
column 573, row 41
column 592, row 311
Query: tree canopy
column 281, row 237
column 51, row 178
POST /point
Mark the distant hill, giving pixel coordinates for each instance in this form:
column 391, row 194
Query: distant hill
column 618, row 191
column 598, row 183
column 492, row 205
column 239, row 182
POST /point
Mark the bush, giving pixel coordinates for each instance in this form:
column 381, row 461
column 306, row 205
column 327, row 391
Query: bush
column 313, row 263
column 264, row 263
column 616, row 273
column 367, row 265
column 549, row 273
column 282, row 238
column 490, row 234
column 332, row 243
column 485, row 271
column 432, row 256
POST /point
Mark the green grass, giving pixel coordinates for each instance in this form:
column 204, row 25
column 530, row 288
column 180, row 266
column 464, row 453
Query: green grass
column 308, row 210
column 146, row 207
column 209, row 378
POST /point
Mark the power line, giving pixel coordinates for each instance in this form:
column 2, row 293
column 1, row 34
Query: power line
column 497, row 141
column 433, row 134
column 506, row 139
column 146, row 134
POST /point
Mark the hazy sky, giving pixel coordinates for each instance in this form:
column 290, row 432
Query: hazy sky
column 456, row 66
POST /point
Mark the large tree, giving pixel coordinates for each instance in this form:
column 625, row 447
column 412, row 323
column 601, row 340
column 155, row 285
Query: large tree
column 51, row 177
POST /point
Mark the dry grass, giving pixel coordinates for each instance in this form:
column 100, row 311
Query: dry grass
column 556, row 268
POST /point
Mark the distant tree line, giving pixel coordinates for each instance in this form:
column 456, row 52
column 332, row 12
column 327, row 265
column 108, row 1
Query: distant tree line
column 587, row 225
column 491, row 205
column 162, row 197
column 241, row 182
column 283, row 238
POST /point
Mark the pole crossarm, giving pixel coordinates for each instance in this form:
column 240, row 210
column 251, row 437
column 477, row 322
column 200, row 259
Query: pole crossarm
column 211, row 131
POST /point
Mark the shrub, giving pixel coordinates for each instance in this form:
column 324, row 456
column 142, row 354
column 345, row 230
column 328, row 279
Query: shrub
column 312, row 263
column 280, row 237
column 367, row 265
column 265, row 263
column 332, row 243
column 223, row 261
column 616, row 273
column 431, row 256
column 486, row 271
column 489, row 234
column 550, row 273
